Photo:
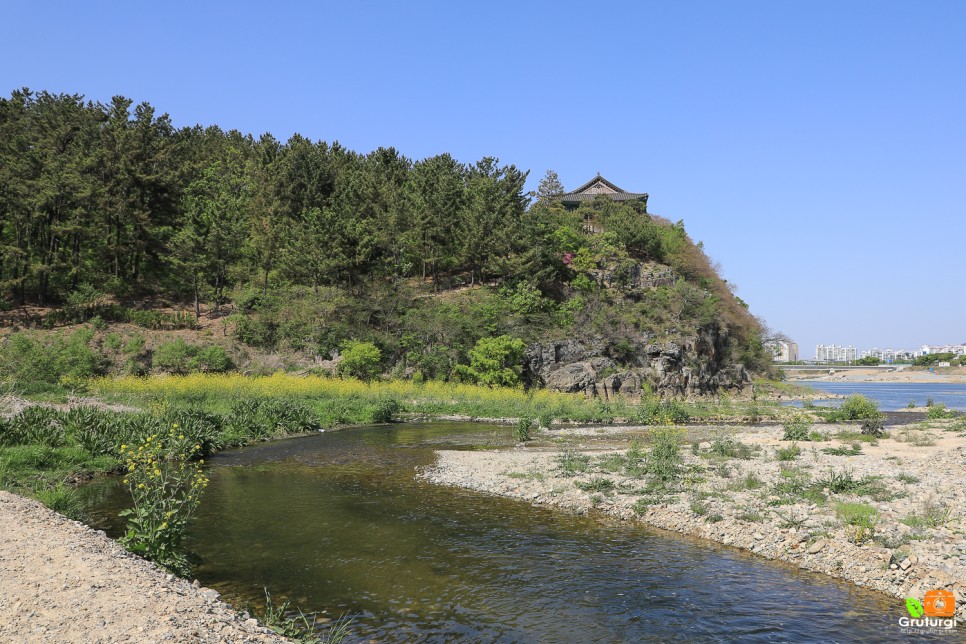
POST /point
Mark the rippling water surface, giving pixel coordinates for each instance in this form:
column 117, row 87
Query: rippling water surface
column 894, row 396
column 337, row 524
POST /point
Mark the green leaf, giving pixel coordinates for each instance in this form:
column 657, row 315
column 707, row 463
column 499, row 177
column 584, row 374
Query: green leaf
column 914, row 606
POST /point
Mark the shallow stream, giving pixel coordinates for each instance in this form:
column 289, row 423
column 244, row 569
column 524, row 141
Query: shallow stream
column 338, row 524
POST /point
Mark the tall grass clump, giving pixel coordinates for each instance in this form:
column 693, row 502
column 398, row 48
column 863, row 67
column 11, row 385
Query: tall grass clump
column 297, row 626
column 524, row 429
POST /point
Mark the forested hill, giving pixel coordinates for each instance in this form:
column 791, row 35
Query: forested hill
column 309, row 245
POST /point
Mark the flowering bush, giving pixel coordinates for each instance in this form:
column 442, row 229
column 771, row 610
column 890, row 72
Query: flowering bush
column 166, row 486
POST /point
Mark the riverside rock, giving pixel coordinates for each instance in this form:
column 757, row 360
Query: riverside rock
column 696, row 365
column 817, row 547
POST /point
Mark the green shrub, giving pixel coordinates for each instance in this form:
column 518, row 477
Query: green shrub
column 796, row 429
column 360, row 359
column 938, row 412
column 932, row 514
column 840, row 482
column 857, row 407
column 749, row 482
column 97, row 431
column 112, row 342
column 211, row 359
column 855, row 449
column 174, row 356
column 789, row 453
column 596, row 484
column 134, row 345
column 385, row 410
column 654, row 411
column 37, row 362
column 27, row 457
column 874, row 427
column 730, row 447
column 664, row 460
column 572, row 462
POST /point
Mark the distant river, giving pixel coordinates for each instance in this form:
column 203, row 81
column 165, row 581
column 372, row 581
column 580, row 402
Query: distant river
column 893, row 396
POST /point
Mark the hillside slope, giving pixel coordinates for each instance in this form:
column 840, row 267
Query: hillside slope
column 290, row 254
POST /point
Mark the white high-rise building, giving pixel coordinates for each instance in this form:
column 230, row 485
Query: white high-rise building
column 783, row 350
column 834, row 353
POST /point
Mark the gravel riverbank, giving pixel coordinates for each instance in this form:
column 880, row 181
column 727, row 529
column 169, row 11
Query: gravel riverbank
column 887, row 515
column 61, row 581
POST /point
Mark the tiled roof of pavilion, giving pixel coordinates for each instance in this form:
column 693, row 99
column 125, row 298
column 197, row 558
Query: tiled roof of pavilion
column 600, row 186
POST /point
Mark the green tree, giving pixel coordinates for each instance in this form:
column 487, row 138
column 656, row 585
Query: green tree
column 488, row 222
column 549, row 188
column 434, row 196
column 211, row 236
column 495, row 362
column 360, row 359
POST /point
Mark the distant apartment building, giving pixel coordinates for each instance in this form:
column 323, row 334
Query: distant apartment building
column 834, row 353
column 783, row 350
column 891, row 355
column 928, row 349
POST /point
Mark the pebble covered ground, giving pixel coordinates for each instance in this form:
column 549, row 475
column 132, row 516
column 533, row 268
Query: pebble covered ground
column 61, row 581
column 912, row 485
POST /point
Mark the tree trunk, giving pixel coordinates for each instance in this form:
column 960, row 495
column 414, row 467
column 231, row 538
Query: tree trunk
column 197, row 304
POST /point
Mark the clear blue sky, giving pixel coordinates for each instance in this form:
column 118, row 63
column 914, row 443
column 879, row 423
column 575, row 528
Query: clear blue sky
column 818, row 149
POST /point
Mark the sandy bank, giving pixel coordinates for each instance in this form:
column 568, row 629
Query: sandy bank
column 950, row 375
column 61, row 581
column 746, row 502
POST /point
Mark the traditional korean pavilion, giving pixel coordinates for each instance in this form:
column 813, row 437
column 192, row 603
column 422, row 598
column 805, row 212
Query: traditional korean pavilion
column 596, row 187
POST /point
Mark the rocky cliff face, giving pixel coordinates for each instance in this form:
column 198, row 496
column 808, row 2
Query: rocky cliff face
column 694, row 366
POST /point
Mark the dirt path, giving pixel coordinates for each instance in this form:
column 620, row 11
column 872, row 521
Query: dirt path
column 60, row 581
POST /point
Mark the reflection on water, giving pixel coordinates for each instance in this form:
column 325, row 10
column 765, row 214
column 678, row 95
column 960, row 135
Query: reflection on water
column 337, row 523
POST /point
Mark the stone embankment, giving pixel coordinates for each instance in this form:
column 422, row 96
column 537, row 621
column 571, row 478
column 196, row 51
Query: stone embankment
column 61, row 581
column 888, row 515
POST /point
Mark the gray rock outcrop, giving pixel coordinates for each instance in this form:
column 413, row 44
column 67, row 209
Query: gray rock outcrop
column 690, row 367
